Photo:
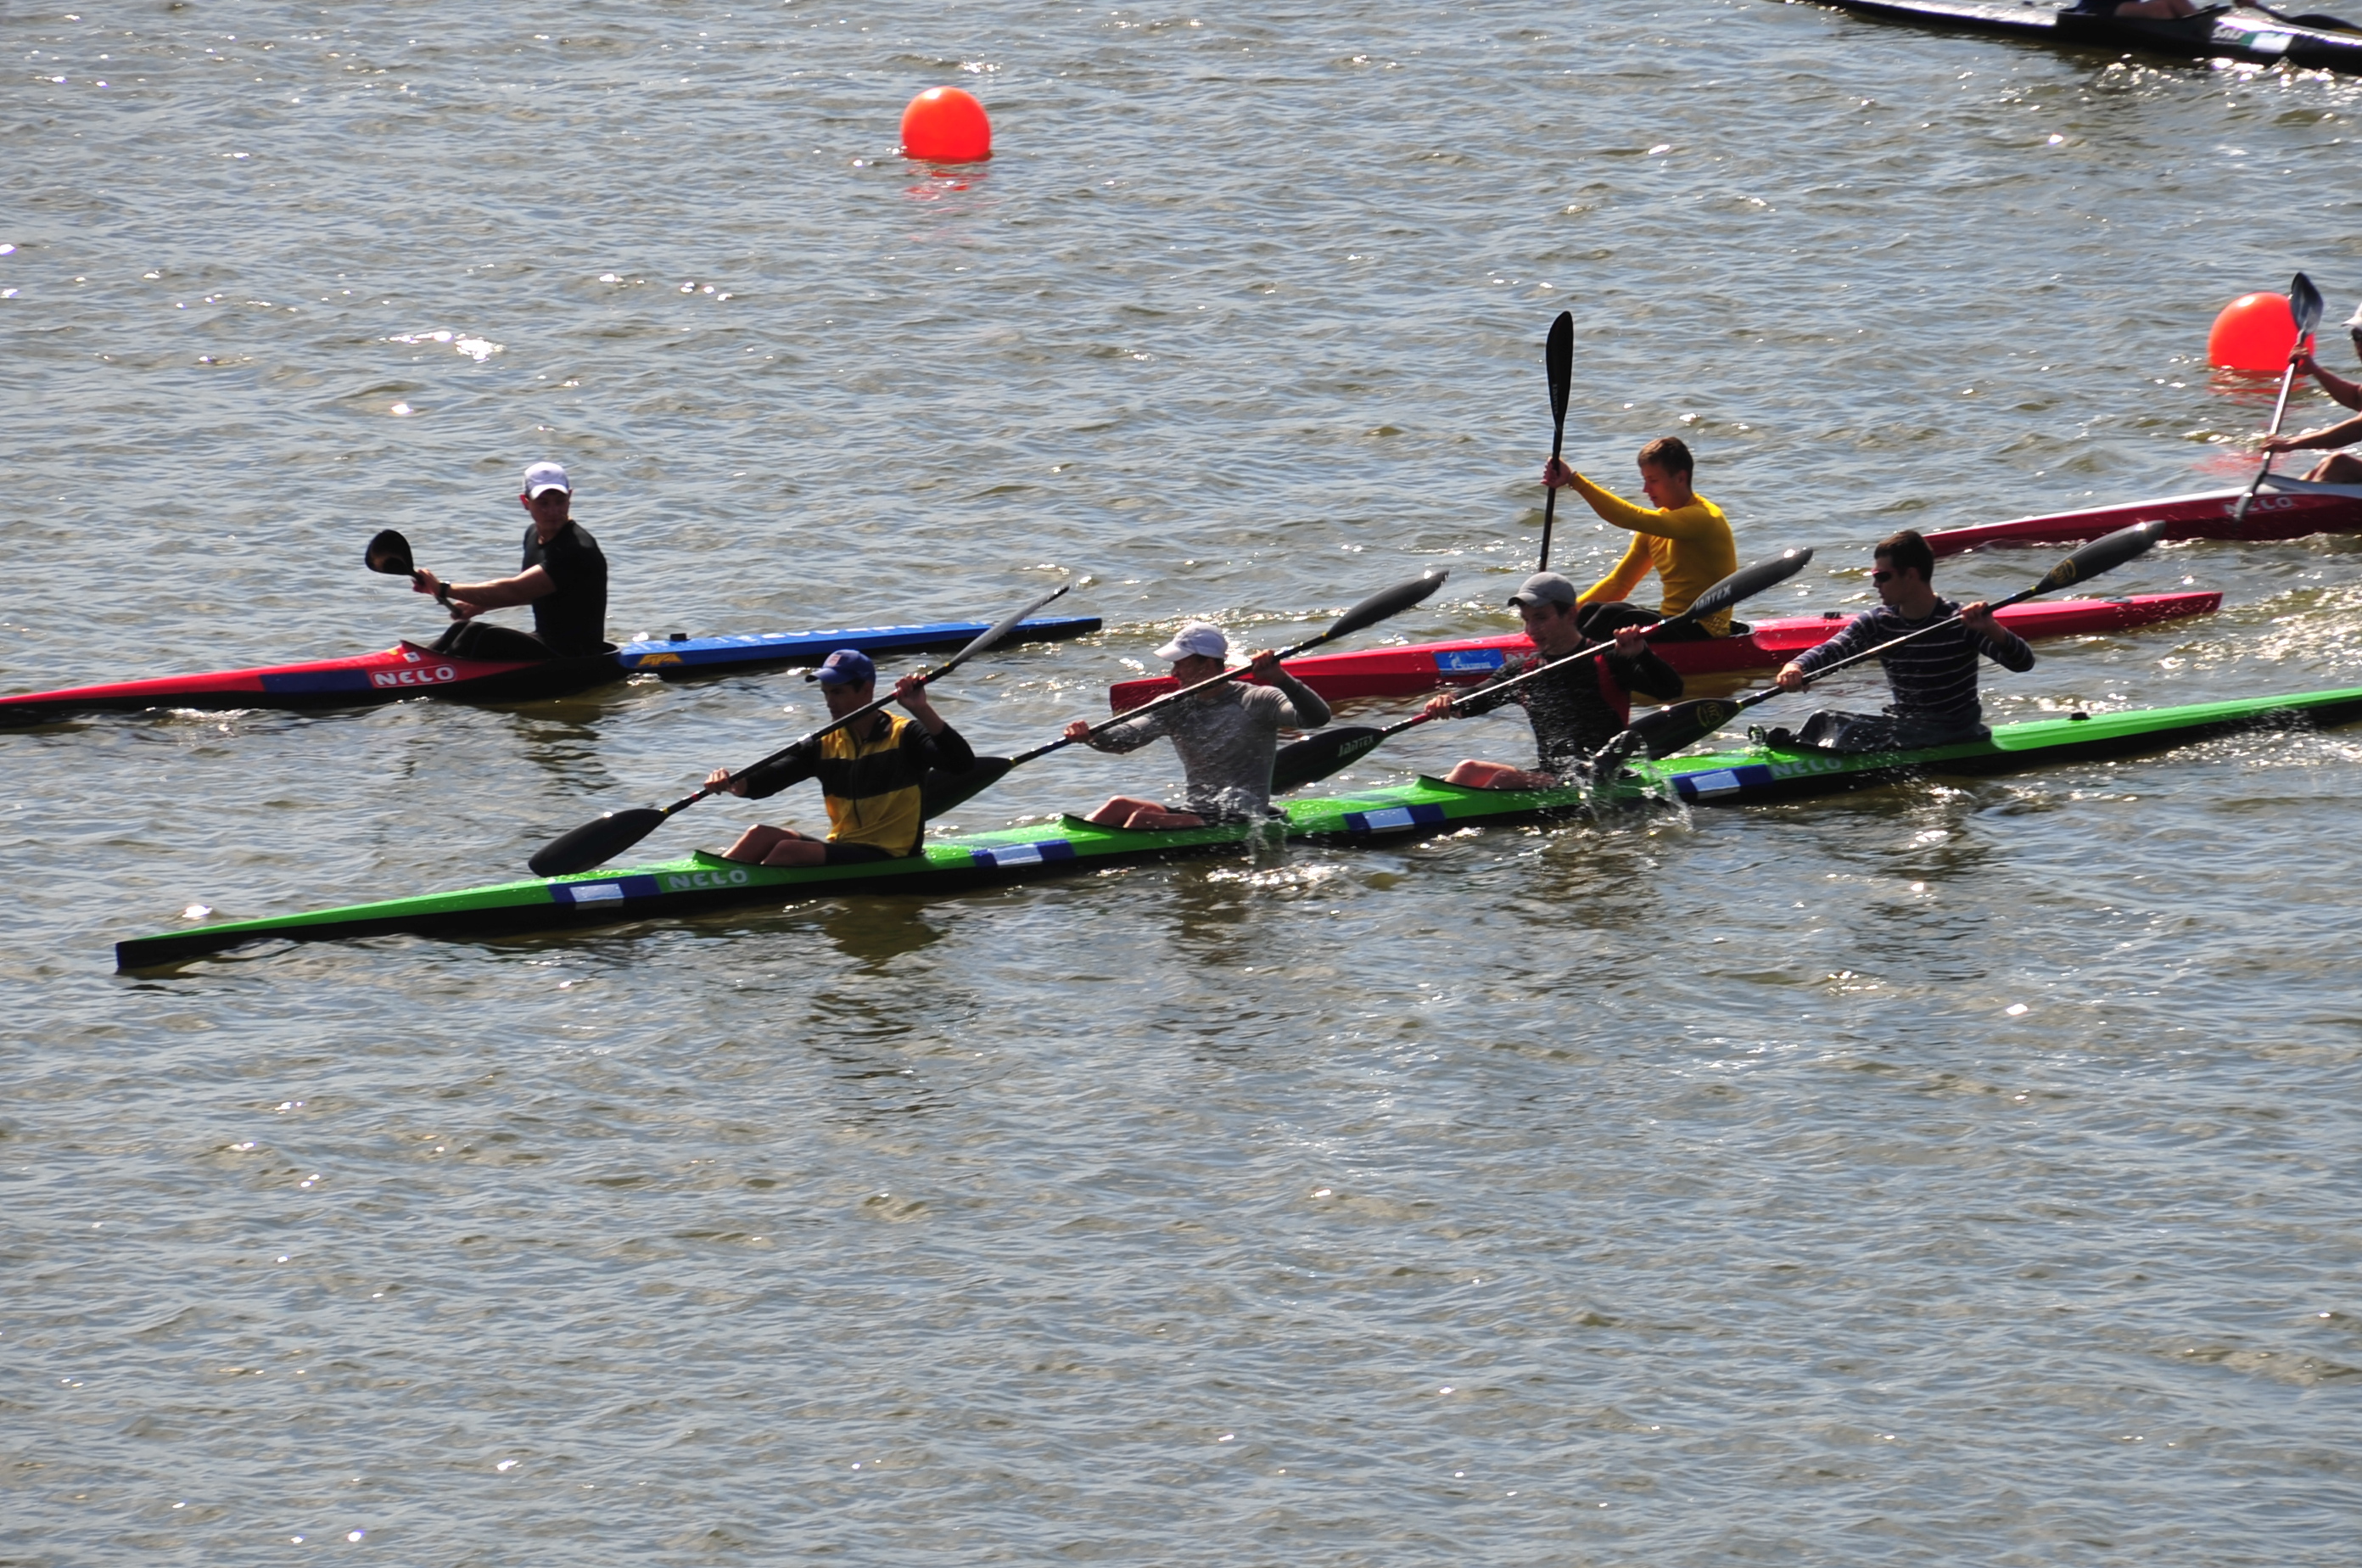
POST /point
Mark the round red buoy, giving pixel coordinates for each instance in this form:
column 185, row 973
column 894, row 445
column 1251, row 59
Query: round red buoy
column 2254, row 332
column 944, row 125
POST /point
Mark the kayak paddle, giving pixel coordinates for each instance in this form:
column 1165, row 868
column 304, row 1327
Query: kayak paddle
column 2304, row 300
column 1557, row 363
column 601, row 840
column 1668, row 730
column 390, row 553
column 1316, row 756
column 949, row 790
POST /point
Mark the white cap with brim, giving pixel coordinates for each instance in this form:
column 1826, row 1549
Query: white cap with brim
column 544, row 477
column 1202, row 638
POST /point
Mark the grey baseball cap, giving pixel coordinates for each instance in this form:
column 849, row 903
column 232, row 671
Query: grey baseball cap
column 1545, row 587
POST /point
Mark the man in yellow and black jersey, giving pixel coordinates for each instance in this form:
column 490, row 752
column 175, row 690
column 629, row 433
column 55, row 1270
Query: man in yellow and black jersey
column 869, row 771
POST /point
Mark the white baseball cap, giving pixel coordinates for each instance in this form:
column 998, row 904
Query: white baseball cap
column 1200, row 637
column 544, row 476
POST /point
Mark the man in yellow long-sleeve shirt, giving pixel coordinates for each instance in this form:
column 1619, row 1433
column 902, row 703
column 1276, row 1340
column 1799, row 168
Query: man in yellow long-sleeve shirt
column 1684, row 539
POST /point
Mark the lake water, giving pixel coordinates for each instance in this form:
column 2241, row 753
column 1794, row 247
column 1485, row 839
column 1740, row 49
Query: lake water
column 1959, row 1173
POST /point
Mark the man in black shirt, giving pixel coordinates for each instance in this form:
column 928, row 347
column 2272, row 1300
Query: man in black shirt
column 1575, row 710
column 562, row 576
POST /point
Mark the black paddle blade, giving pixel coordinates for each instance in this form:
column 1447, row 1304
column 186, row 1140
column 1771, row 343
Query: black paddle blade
column 1668, row 730
column 1385, row 602
column 1609, row 759
column 1747, row 582
column 944, row 791
column 1318, row 756
column 2102, row 554
column 389, row 553
column 2304, row 303
column 595, row 842
column 1558, row 361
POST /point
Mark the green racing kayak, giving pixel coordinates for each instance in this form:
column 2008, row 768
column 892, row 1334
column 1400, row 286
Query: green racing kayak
column 1762, row 772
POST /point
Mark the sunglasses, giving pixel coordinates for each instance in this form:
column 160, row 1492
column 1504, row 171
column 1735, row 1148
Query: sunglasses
column 1880, row 575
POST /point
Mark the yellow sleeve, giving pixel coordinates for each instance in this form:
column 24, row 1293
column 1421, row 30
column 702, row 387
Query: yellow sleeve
column 1695, row 521
column 1627, row 574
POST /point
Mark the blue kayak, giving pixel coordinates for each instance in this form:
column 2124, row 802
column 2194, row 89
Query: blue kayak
column 410, row 669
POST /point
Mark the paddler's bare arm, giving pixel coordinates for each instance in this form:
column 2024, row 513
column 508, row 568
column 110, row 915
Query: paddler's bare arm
column 2335, row 385
column 2344, row 434
column 474, row 598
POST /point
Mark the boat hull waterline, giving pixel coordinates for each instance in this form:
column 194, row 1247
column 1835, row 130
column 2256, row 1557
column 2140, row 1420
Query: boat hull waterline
column 701, row 882
column 1418, row 668
column 2212, row 34
column 409, row 669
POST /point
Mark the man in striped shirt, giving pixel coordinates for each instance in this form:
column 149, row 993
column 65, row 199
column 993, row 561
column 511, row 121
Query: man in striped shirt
column 1934, row 676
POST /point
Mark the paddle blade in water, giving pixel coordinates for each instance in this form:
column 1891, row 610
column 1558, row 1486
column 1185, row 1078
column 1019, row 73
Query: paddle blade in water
column 2102, row 554
column 595, row 842
column 944, row 791
column 389, row 553
column 1558, row 362
column 1668, row 730
column 2304, row 303
column 1746, row 582
column 1609, row 759
column 1318, row 756
column 1387, row 602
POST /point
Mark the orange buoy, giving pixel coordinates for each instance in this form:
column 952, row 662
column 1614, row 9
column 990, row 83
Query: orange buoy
column 944, row 125
column 2254, row 332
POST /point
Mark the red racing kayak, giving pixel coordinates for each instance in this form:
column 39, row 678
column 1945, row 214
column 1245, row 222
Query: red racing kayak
column 2283, row 509
column 1415, row 671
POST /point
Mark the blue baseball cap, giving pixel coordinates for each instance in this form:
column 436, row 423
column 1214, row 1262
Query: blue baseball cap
column 846, row 666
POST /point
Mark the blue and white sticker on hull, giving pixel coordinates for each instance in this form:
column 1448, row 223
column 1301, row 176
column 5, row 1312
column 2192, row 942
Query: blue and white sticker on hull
column 609, row 891
column 1723, row 781
column 1470, row 661
column 1033, row 854
column 1394, row 819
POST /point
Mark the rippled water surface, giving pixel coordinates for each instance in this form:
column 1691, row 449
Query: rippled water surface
column 1959, row 1173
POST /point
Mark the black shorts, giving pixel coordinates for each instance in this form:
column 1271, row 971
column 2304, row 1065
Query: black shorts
column 856, row 855
column 1859, row 734
column 482, row 639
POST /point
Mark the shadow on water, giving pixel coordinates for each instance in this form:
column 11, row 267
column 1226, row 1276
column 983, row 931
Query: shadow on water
column 1912, row 890
column 875, row 931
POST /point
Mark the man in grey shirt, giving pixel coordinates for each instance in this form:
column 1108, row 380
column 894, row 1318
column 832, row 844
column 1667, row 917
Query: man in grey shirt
column 1226, row 734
